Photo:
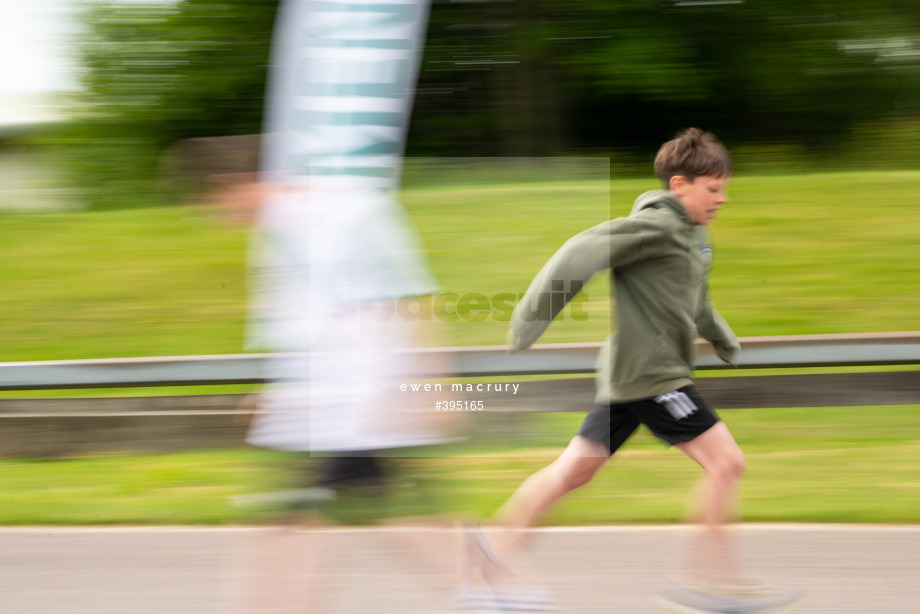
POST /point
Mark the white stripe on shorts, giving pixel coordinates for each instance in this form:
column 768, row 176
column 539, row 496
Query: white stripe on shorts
column 677, row 403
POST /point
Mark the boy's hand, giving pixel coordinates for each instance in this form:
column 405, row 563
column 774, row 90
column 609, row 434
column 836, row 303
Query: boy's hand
column 728, row 350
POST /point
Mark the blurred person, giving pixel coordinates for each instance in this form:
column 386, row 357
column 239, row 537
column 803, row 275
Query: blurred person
column 659, row 259
column 333, row 250
column 333, row 256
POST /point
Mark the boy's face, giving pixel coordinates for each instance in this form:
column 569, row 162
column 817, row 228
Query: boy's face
column 702, row 197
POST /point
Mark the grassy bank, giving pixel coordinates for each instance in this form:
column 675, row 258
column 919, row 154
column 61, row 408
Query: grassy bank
column 812, row 465
column 795, row 254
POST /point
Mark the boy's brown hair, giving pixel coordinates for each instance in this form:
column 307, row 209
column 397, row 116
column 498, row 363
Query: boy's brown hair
column 692, row 153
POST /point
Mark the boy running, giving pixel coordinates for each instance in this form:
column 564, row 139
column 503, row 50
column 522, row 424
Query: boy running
column 659, row 259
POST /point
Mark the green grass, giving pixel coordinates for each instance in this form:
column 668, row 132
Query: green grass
column 801, row 254
column 832, row 253
column 152, row 282
column 805, row 465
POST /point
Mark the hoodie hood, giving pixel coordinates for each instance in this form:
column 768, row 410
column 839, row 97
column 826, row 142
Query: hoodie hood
column 661, row 199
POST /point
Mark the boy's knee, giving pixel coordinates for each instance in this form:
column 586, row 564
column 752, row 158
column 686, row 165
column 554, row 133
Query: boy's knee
column 732, row 466
column 574, row 474
column 727, row 468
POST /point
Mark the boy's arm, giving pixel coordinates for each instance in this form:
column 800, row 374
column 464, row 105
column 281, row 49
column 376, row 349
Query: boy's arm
column 713, row 328
column 614, row 243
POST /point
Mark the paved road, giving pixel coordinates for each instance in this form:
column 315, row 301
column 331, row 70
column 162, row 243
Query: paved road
column 860, row 570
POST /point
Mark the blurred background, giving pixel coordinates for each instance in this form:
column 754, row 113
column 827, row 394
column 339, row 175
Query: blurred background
column 533, row 120
column 101, row 88
column 525, row 111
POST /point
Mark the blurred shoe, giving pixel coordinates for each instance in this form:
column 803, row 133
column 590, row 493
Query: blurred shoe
column 484, row 575
column 525, row 600
column 350, row 490
column 749, row 598
column 297, row 498
column 480, row 598
column 477, row 556
column 474, row 598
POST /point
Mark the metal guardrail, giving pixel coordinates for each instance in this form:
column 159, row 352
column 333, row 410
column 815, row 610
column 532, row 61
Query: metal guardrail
column 55, row 427
column 869, row 349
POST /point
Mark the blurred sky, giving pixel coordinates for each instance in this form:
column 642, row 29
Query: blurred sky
column 36, row 44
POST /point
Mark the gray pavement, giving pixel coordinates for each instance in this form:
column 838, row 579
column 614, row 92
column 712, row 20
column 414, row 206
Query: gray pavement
column 847, row 569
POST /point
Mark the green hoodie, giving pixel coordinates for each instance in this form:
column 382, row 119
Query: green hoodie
column 659, row 261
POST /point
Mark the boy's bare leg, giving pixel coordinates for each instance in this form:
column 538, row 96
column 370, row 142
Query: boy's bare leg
column 712, row 557
column 574, row 468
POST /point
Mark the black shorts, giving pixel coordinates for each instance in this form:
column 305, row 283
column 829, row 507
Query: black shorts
column 675, row 417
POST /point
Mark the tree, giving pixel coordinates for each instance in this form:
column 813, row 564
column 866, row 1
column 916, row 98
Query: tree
column 626, row 74
column 524, row 78
column 155, row 74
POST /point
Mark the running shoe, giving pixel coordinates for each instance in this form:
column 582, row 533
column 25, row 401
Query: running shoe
column 736, row 599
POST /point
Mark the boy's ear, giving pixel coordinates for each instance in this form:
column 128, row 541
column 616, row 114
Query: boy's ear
column 676, row 183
